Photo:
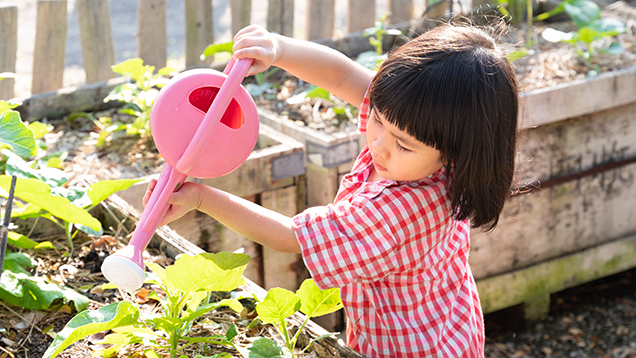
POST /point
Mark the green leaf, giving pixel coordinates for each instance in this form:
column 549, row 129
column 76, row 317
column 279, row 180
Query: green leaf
column 134, row 68
column 84, row 324
column 213, row 49
column 15, row 133
column 21, row 289
column 316, row 302
column 207, row 272
column 582, row 12
column 317, row 92
column 233, row 304
column 615, row 48
column 20, row 168
column 38, row 193
column 166, row 324
column 40, row 129
column 267, row 348
column 607, row 27
column 101, row 190
column 278, row 305
column 518, row 53
column 20, row 240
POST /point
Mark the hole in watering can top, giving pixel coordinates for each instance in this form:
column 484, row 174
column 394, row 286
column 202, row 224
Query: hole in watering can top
column 202, row 99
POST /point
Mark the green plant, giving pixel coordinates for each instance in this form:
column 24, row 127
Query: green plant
column 581, row 12
column 309, row 299
column 373, row 59
column 591, row 39
column 138, row 95
column 186, row 285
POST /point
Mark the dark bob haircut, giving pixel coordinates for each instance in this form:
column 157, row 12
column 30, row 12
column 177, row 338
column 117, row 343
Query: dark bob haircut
column 454, row 90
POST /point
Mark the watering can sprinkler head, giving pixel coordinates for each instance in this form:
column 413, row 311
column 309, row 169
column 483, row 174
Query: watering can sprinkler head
column 205, row 125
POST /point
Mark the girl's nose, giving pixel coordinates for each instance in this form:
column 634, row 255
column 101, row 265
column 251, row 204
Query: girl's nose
column 380, row 145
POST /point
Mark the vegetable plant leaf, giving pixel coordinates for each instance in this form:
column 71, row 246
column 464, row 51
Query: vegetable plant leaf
column 316, row 302
column 15, row 133
column 24, row 242
column 20, row 168
column 213, row 49
column 278, row 305
column 88, row 322
column 101, row 190
column 208, row 272
column 38, row 193
column 582, row 12
column 134, row 68
column 267, row 348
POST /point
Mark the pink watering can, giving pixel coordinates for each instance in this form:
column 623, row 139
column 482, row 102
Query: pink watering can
column 205, row 125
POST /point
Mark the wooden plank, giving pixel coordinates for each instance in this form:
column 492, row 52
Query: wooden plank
column 322, row 185
column 361, row 15
column 151, row 32
column 280, row 17
column 401, row 11
column 552, row 276
column 558, row 221
column 199, row 30
column 50, row 46
column 584, row 96
column 98, row 50
column 280, row 269
column 241, row 14
column 8, row 48
column 320, row 19
column 57, row 104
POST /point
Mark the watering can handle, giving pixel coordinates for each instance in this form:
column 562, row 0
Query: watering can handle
column 235, row 71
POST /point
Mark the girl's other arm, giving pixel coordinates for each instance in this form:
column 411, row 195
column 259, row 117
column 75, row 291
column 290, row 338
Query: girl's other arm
column 309, row 61
column 244, row 217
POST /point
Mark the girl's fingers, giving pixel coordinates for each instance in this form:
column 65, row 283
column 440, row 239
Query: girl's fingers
column 151, row 187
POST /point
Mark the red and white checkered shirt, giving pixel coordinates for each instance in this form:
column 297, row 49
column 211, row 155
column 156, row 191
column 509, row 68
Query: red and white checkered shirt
column 401, row 262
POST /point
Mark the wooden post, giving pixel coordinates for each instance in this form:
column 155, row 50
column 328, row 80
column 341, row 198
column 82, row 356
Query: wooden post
column 401, row 11
column 50, row 46
column 151, row 32
column 280, row 17
column 199, row 31
column 320, row 19
column 280, row 269
column 8, row 48
column 98, row 51
column 361, row 15
column 241, row 11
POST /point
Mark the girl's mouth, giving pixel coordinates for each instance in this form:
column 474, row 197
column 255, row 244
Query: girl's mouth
column 378, row 167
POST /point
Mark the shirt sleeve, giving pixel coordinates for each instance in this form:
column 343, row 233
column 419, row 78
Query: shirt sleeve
column 363, row 115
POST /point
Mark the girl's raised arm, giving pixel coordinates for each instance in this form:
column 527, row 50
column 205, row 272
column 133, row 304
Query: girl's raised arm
column 309, row 61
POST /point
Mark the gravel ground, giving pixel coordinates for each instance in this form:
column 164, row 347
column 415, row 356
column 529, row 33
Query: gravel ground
column 597, row 319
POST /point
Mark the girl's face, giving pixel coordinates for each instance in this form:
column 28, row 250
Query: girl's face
column 397, row 155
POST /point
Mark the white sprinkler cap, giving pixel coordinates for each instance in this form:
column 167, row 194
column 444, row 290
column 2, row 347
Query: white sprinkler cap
column 123, row 272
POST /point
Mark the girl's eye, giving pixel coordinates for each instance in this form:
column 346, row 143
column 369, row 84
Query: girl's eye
column 401, row 147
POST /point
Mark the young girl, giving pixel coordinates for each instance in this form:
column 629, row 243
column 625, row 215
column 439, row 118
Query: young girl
column 440, row 118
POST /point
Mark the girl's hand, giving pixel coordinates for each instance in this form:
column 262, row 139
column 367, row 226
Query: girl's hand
column 256, row 43
column 186, row 199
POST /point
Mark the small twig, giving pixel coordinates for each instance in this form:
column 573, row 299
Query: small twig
column 7, row 352
column 17, row 314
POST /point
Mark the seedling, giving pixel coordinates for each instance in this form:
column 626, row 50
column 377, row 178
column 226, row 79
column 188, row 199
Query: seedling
column 186, row 285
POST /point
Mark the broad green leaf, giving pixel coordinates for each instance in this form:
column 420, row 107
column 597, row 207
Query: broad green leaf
column 317, row 92
column 166, row 71
column 20, row 240
column 84, row 324
column 38, row 193
column 213, row 49
column 20, row 168
column 278, row 305
column 608, row 26
column 35, row 293
column 233, row 304
column 582, row 12
column 268, row 348
column 231, row 333
column 208, row 272
column 166, row 324
column 101, row 190
column 518, row 53
column 15, row 133
column 615, row 48
column 134, row 68
column 40, row 129
column 316, row 302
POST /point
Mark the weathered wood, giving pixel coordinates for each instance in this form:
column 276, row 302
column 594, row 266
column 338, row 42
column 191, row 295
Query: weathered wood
column 552, row 276
column 320, row 19
column 199, row 30
column 353, row 44
column 361, row 15
column 98, row 50
column 50, row 46
column 67, row 100
column 578, row 97
column 8, row 48
column 401, row 11
column 241, row 14
column 573, row 215
column 280, row 269
column 151, row 32
column 280, row 17
column 537, row 308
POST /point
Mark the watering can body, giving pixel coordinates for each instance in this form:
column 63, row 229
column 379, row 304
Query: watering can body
column 205, row 125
